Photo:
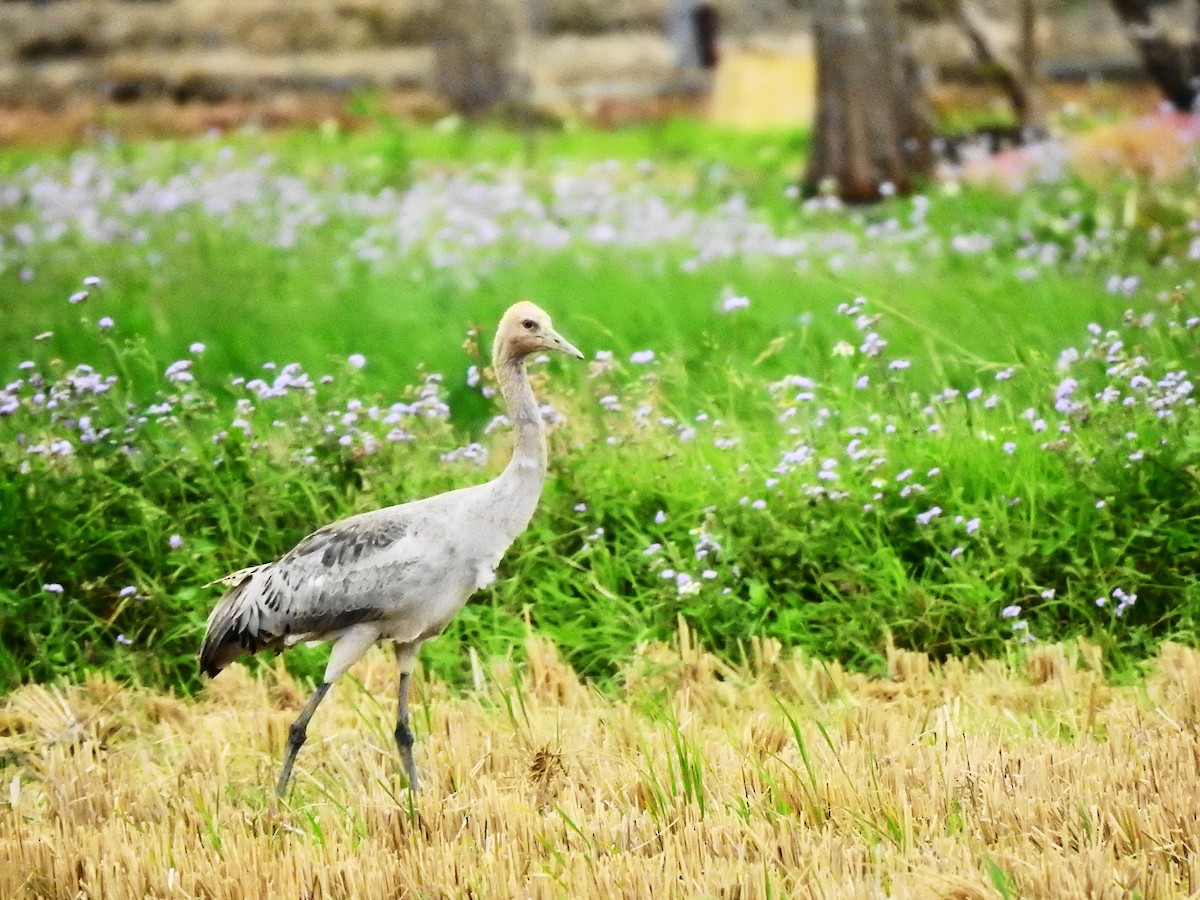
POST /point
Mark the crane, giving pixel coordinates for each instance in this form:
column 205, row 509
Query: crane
column 396, row 574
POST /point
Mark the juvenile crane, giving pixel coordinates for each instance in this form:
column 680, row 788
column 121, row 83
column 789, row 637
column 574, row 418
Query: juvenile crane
column 399, row 573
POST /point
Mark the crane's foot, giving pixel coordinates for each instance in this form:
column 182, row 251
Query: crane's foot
column 404, row 743
column 296, row 735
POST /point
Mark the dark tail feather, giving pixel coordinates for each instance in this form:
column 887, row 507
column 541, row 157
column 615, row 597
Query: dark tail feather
column 231, row 630
column 216, row 656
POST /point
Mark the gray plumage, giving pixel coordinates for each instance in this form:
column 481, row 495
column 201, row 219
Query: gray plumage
column 404, row 571
column 399, row 573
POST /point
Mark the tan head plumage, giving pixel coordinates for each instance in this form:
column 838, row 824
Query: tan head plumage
column 524, row 329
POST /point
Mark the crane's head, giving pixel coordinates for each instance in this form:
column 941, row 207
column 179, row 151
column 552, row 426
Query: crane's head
column 526, row 329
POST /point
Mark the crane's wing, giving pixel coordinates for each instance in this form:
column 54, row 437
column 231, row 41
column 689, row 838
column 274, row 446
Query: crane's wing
column 340, row 575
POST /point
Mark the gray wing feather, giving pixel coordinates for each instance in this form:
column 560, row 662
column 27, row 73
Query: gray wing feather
column 332, row 579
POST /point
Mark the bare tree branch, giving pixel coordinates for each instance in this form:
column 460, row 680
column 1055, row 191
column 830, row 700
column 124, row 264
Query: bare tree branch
column 1018, row 81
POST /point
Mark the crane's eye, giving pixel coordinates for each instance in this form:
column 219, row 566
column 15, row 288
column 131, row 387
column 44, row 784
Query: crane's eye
column 530, row 324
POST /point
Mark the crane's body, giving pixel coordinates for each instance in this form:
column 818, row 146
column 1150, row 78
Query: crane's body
column 400, row 573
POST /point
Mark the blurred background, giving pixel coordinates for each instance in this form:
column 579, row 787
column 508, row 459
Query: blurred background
column 70, row 68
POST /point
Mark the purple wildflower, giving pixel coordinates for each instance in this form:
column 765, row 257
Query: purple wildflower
column 929, row 515
column 177, row 372
column 872, row 344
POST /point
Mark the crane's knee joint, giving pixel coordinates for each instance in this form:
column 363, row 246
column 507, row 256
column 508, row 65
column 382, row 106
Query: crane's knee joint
column 404, row 737
column 296, row 734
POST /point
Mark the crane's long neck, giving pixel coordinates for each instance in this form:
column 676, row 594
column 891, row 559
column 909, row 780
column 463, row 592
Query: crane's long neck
column 527, row 468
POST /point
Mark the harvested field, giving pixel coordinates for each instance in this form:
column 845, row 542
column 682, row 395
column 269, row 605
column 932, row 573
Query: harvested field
column 784, row 778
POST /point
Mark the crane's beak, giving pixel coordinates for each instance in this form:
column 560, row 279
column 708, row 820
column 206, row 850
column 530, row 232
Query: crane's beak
column 557, row 342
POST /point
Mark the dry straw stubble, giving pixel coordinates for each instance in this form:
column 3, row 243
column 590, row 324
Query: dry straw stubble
column 782, row 778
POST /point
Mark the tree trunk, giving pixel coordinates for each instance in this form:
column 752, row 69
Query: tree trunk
column 475, row 54
column 873, row 127
column 1172, row 68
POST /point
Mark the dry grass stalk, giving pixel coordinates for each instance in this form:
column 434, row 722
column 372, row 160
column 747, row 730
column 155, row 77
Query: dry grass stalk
column 781, row 777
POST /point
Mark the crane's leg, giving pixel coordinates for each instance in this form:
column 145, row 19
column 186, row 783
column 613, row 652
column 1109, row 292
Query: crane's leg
column 347, row 648
column 406, row 655
column 296, row 735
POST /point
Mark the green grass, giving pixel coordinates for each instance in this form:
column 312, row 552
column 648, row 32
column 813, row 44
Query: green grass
column 967, row 285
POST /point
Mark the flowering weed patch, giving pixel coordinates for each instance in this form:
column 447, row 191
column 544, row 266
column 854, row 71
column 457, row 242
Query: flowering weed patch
column 961, row 419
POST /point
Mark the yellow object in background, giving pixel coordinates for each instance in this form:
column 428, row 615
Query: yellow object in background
column 763, row 89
